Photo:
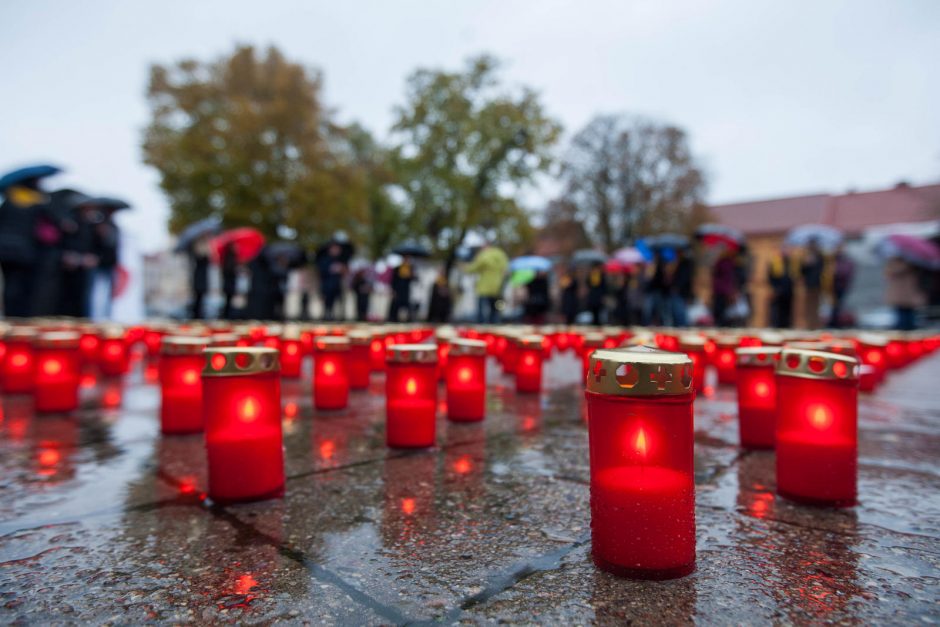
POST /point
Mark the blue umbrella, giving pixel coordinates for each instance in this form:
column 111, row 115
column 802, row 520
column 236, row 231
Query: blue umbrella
column 25, row 174
column 530, row 262
column 827, row 237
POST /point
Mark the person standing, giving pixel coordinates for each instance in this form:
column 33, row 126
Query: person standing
column 105, row 243
column 19, row 250
column 440, row 302
column 490, row 265
column 77, row 262
column 781, row 287
column 200, row 267
column 402, row 278
column 570, row 306
column 361, row 285
column 904, row 292
column 229, row 280
column 538, row 301
column 680, row 288
column 724, row 287
column 840, row 275
column 811, row 269
column 596, row 291
column 332, row 269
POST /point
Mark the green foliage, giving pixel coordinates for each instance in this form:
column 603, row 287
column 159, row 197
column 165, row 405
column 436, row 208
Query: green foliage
column 247, row 138
column 466, row 148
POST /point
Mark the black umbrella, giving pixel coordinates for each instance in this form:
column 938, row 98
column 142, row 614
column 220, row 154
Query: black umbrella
column 106, row 202
column 588, row 256
column 25, row 174
column 346, row 250
column 196, row 231
column 411, row 249
column 292, row 252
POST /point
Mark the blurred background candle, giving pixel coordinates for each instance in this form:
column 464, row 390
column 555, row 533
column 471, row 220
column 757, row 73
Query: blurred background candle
column 19, row 363
column 377, row 353
column 529, row 364
column 330, row 372
column 242, row 416
column 291, row 353
column 466, row 380
column 112, row 352
column 88, row 345
column 411, row 395
column 817, row 426
column 58, row 371
column 592, row 342
column 694, row 347
column 359, row 361
column 872, row 351
column 642, row 483
column 443, row 336
column 757, row 396
column 724, row 359
column 181, row 363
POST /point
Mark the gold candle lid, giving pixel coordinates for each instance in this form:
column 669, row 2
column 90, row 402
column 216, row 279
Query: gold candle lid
column 757, row 356
column 360, row 337
column 183, row 345
column 816, row 364
column 331, row 344
column 529, row 341
column 411, row 354
column 21, row 334
column 872, row 339
column 58, row 339
column 691, row 343
column 228, row 361
column 223, row 339
column 639, row 371
column 727, row 341
column 462, row 346
column 770, row 338
column 112, row 333
column 594, row 340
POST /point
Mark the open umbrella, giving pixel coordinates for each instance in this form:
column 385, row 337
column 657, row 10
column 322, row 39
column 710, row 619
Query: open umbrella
column 827, row 237
column 346, row 249
column 294, row 253
column 25, row 174
column 530, row 262
column 411, row 249
column 106, row 202
column 522, row 276
column 245, row 241
column 616, row 266
column 720, row 235
column 630, row 255
column 666, row 240
column 914, row 250
column 588, row 256
column 197, row 230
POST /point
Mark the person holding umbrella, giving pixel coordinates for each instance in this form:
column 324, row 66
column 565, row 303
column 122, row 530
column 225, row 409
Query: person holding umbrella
column 811, row 268
column 331, row 267
column 490, row 265
column 402, row 277
column 105, row 245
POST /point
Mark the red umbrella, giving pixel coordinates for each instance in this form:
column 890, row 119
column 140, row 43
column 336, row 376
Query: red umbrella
column 720, row 235
column 615, row 266
column 246, row 242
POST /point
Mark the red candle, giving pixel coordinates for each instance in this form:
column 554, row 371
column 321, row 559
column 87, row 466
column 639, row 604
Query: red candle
column 642, row 483
column 444, row 338
column 466, row 380
column 19, row 363
column 58, row 366
column 242, row 416
column 153, row 338
column 377, row 354
column 360, row 359
column 291, row 355
column 757, row 396
column 509, row 356
column 529, row 364
column 724, row 359
column 411, row 395
column 112, row 352
column 872, row 351
column 330, row 372
column 181, row 363
column 89, row 344
column 592, row 342
column 817, row 427
column 694, row 347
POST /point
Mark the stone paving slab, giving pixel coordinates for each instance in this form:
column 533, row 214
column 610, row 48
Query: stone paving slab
column 104, row 521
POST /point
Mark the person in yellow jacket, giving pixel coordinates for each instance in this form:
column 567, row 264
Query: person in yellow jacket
column 490, row 265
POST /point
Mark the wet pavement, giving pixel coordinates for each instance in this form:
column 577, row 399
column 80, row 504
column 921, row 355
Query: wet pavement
column 103, row 520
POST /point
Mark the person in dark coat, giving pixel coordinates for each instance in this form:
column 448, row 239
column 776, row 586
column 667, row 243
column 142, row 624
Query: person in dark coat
column 538, row 302
column 104, row 247
column 260, row 303
column 19, row 250
column 781, row 289
column 811, row 269
column 724, row 287
column 842, row 273
column 53, row 222
column 402, row 277
column 361, row 284
column 570, row 305
column 229, row 279
column 680, row 288
column 331, row 269
column 441, row 301
column 200, row 266
column 596, row 290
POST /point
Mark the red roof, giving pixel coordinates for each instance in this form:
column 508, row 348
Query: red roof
column 851, row 212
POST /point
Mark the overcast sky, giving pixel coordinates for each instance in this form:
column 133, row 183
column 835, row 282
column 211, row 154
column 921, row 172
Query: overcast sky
column 779, row 97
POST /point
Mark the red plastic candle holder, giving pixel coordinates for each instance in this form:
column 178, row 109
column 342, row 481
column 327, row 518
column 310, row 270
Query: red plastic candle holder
column 153, row 338
column 411, row 395
column 757, row 396
column 291, row 355
column 88, row 345
column 19, row 361
column 694, row 347
column 529, row 364
column 466, row 380
column 509, row 355
column 58, row 371
column 113, row 358
column 360, row 359
column 724, row 359
column 642, row 483
column 817, row 427
column 181, row 364
column 331, row 372
column 241, row 392
column 592, row 342
column 872, row 351
column 377, row 353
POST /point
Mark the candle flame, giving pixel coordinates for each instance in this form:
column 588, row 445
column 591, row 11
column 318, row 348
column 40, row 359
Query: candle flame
column 249, row 410
column 52, row 366
column 820, row 416
column 19, row 359
column 640, row 443
column 49, row 457
column 327, row 449
column 761, row 389
column 291, row 349
column 190, row 377
column 464, row 375
column 463, row 465
column 408, row 506
column 329, row 368
column 411, row 386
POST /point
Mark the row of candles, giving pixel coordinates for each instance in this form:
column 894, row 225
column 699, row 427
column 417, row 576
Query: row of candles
column 796, row 394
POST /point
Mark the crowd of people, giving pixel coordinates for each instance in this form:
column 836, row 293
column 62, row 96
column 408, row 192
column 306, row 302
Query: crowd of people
column 59, row 251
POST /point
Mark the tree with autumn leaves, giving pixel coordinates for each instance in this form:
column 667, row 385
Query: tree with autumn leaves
column 247, row 138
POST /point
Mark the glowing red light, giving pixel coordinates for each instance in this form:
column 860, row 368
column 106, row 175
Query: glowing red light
column 49, row 457
column 290, row 410
column 463, row 465
column 761, row 389
column 411, row 386
column 329, row 368
column 376, row 346
column 873, row 357
column 249, row 409
column 218, row 361
column 408, row 506
column 19, row 360
column 529, row 360
column 464, row 375
column 113, row 350
column 187, row 485
column 112, row 398
column 327, row 450
column 244, row 584
column 190, row 377
column 291, row 349
column 820, row 416
column 52, row 366
column 726, row 358
column 640, row 444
